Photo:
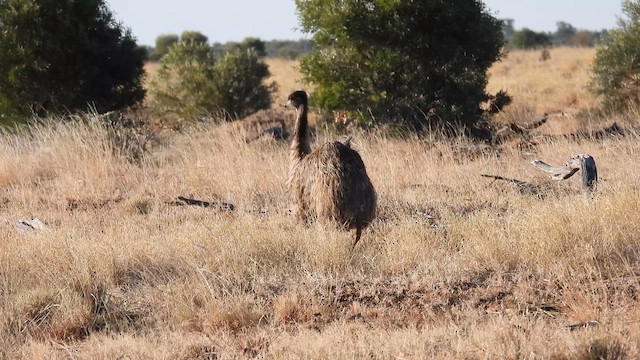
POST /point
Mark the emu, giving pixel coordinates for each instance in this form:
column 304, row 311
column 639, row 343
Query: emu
column 330, row 182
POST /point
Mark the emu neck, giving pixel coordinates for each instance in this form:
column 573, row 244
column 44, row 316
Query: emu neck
column 300, row 146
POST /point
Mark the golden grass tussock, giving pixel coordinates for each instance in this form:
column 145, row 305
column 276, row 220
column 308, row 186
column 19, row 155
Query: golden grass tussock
column 285, row 74
column 455, row 265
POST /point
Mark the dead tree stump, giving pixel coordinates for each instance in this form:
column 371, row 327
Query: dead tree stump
column 581, row 162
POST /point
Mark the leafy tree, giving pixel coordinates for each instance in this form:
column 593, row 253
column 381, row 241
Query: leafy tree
column 584, row 38
column 145, row 50
column 287, row 53
column 193, row 83
column 507, row 28
column 194, row 36
column 163, row 44
column 529, row 39
column 66, row 55
column 254, row 43
column 289, row 49
column 411, row 62
column 248, row 43
column 616, row 68
column 219, row 48
column 184, row 82
column 564, row 33
column 240, row 83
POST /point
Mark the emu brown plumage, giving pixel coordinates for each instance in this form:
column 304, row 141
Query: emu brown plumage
column 331, row 182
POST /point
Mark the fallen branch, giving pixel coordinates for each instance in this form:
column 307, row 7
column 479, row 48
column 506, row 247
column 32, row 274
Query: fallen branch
column 28, row 226
column 583, row 325
column 522, row 186
column 498, row 177
column 522, row 131
column 208, row 204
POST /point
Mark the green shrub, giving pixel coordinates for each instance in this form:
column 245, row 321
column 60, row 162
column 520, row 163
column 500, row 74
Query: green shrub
column 584, row 38
column 65, row 55
column 193, row 83
column 163, row 44
column 529, row 39
column 240, row 83
column 248, row 43
column 288, row 49
column 288, row 54
column 564, row 33
column 184, row 82
column 412, row 62
column 616, row 67
column 193, row 36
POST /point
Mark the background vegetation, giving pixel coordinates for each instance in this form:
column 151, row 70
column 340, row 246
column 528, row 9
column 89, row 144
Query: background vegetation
column 62, row 55
column 454, row 267
column 565, row 35
column 193, row 83
column 617, row 64
column 414, row 63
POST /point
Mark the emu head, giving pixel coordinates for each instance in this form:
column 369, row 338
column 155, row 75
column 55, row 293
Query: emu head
column 296, row 99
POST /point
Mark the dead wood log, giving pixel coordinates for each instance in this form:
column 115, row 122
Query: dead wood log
column 28, row 226
column 208, row 204
column 498, row 177
column 582, row 162
column 583, row 325
column 613, row 131
column 537, row 123
column 523, row 187
column 522, row 131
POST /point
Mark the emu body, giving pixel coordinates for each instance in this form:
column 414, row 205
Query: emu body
column 331, row 182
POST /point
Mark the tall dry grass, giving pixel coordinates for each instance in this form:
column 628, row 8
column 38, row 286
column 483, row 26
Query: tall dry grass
column 559, row 84
column 285, row 74
column 455, row 266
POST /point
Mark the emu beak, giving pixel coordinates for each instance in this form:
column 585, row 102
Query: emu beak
column 289, row 103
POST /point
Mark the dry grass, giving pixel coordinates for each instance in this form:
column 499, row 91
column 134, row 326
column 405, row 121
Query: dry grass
column 558, row 87
column 285, row 74
column 555, row 85
column 492, row 272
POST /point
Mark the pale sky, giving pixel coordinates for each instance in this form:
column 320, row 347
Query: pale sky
column 225, row 20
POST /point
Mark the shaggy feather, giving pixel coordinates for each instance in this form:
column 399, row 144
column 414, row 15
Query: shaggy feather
column 331, row 182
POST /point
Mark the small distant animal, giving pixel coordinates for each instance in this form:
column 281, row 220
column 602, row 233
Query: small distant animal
column 330, row 182
column 545, row 55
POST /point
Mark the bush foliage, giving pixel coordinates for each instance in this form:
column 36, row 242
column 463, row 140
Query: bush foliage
column 163, row 43
column 247, row 43
column 529, row 39
column 65, row 55
column 412, row 62
column 616, row 67
column 194, row 36
column 192, row 82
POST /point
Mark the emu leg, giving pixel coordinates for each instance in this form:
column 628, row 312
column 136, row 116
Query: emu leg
column 358, row 234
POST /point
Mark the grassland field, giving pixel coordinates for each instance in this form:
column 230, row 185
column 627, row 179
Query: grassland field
column 456, row 266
